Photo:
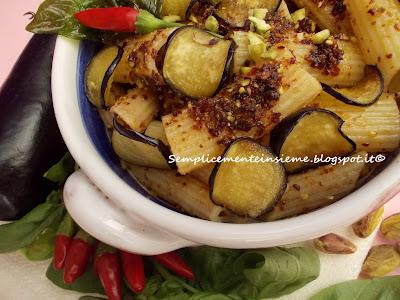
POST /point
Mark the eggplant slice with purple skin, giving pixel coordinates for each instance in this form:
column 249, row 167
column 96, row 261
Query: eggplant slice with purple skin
column 99, row 74
column 235, row 13
column 244, row 187
column 365, row 93
column 141, row 137
column 196, row 63
column 310, row 133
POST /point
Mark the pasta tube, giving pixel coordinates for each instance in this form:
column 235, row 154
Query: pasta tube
column 185, row 192
column 351, row 66
column 138, row 153
column 377, row 26
column 328, row 15
column 374, row 128
column 316, row 188
column 136, row 109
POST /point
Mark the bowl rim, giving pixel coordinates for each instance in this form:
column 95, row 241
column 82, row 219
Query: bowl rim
column 341, row 213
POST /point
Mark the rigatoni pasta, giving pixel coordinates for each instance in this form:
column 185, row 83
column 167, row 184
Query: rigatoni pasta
column 316, row 188
column 189, row 142
column 136, row 109
column 184, row 192
column 351, row 66
column 139, row 153
column 296, row 90
column 332, row 15
column 377, row 27
column 374, row 128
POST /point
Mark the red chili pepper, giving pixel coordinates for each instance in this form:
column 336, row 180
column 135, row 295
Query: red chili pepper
column 108, row 268
column 175, row 263
column 78, row 256
column 63, row 240
column 133, row 267
column 122, row 19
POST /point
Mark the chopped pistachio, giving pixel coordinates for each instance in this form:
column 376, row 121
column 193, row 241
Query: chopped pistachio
column 261, row 25
column 245, row 70
column 256, row 51
column 238, row 104
column 270, row 54
column 298, row 15
column 381, row 260
column 334, row 244
column 390, row 228
column 366, row 226
column 245, row 82
column 212, row 24
column 320, row 37
column 300, row 36
column 214, row 2
column 230, row 117
column 257, row 46
column 193, row 18
column 255, row 38
column 172, row 18
column 242, row 90
column 329, row 42
column 313, row 26
column 260, row 13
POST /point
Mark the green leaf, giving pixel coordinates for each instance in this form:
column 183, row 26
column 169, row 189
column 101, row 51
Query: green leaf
column 21, row 233
column 57, row 16
column 253, row 274
column 152, row 6
column 284, row 270
column 55, row 197
column 52, row 16
column 88, row 283
column 387, row 288
column 61, row 170
column 68, row 227
column 42, row 247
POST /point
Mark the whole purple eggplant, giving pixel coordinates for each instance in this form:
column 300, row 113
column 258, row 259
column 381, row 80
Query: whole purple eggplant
column 30, row 141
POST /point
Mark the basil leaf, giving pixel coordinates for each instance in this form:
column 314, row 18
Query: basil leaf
column 42, row 247
column 284, row 270
column 152, row 6
column 57, row 16
column 21, row 233
column 386, row 288
column 61, row 170
column 52, row 16
column 54, row 197
column 87, row 283
column 253, row 274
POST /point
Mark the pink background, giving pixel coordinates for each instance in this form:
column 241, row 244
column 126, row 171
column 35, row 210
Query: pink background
column 14, row 37
column 12, row 31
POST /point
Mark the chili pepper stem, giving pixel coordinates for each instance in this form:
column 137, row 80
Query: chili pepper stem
column 146, row 22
